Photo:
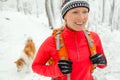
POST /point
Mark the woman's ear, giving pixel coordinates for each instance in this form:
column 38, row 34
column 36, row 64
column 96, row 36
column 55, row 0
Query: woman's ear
column 65, row 19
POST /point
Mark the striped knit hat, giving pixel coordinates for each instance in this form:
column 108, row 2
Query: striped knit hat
column 70, row 4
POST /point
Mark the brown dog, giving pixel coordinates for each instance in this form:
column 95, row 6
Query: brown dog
column 27, row 55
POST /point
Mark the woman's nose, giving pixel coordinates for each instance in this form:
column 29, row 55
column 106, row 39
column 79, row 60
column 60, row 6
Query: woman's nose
column 81, row 16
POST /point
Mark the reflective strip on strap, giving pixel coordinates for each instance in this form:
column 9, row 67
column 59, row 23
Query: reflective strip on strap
column 68, row 76
column 90, row 42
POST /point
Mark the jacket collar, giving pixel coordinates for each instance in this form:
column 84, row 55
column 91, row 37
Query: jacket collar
column 71, row 33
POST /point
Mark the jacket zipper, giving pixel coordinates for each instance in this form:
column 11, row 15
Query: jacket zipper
column 77, row 49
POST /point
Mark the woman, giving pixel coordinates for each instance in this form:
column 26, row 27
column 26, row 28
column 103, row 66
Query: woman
column 78, row 66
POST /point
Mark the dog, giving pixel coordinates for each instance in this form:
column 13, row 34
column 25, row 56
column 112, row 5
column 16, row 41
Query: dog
column 27, row 55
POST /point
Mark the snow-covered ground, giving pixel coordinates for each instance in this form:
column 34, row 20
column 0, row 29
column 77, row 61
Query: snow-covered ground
column 15, row 28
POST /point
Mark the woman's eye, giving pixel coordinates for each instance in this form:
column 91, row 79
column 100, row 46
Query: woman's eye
column 85, row 12
column 75, row 12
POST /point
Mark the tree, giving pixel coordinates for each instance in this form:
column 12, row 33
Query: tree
column 27, row 7
column 53, row 13
column 103, row 10
column 18, row 7
column 37, row 9
column 49, row 13
column 1, row 2
column 112, row 11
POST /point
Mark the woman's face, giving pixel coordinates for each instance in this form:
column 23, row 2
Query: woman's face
column 76, row 18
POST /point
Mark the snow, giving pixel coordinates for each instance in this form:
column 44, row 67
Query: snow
column 15, row 28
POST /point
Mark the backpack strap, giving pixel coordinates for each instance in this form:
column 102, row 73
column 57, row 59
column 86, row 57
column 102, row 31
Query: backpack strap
column 92, row 46
column 60, row 46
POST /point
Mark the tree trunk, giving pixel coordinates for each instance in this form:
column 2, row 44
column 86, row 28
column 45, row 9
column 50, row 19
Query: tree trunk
column 0, row 5
column 18, row 8
column 103, row 10
column 57, row 13
column 37, row 9
column 49, row 13
column 111, row 14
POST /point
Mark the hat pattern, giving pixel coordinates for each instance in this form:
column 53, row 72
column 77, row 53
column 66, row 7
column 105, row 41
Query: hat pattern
column 70, row 4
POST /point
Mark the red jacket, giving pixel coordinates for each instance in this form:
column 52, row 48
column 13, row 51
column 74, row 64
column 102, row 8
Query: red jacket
column 78, row 52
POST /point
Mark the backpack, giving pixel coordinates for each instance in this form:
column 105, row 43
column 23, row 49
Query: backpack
column 62, row 51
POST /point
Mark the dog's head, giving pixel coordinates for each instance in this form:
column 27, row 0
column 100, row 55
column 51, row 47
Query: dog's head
column 29, row 48
column 20, row 64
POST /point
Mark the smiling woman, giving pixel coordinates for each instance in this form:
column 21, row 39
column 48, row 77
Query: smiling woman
column 75, row 14
column 70, row 47
column 76, row 18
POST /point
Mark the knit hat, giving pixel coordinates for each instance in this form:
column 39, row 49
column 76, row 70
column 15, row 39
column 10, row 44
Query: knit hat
column 70, row 4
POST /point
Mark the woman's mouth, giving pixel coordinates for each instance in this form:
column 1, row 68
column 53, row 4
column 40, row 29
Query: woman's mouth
column 79, row 23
